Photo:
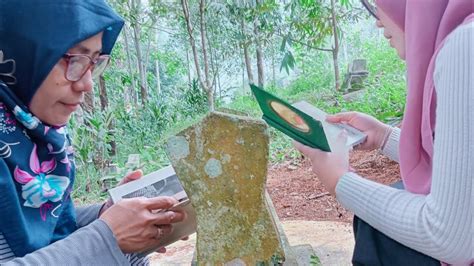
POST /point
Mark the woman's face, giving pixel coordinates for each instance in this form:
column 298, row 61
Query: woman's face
column 392, row 32
column 57, row 98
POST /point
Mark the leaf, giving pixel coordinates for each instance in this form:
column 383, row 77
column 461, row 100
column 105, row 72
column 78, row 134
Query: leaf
column 288, row 62
column 291, row 60
column 314, row 261
column 283, row 43
column 346, row 3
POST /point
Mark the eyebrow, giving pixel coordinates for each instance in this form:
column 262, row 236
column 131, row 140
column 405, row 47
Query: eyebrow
column 84, row 50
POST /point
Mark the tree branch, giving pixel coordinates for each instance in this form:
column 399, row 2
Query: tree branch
column 307, row 45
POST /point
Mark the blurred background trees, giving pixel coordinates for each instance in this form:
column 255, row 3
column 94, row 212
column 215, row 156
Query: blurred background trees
column 176, row 60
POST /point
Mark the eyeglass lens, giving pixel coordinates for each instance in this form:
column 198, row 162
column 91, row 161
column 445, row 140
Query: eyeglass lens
column 100, row 66
column 78, row 66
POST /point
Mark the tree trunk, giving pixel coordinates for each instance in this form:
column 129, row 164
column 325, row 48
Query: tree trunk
column 273, row 67
column 146, row 59
column 141, row 69
column 188, row 63
column 104, row 101
column 219, row 85
column 133, row 82
column 260, row 57
column 210, row 91
column 243, row 74
column 303, row 65
column 88, row 106
column 335, row 50
column 248, row 63
column 212, row 66
column 215, row 67
column 260, row 66
column 112, row 142
column 158, row 80
column 157, row 68
column 140, row 61
column 192, row 42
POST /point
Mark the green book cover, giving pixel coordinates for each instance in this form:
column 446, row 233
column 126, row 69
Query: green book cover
column 291, row 121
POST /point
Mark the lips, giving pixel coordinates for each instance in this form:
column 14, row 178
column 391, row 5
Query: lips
column 71, row 106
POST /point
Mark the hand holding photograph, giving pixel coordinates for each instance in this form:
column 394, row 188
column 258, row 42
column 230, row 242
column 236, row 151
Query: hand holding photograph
column 163, row 182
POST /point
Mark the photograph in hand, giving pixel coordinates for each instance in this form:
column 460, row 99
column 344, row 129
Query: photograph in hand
column 163, row 182
column 169, row 186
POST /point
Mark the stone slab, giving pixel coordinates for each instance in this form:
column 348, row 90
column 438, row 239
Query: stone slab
column 222, row 164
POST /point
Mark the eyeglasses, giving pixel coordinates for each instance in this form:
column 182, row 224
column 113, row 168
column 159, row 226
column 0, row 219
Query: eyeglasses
column 371, row 8
column 78, row 64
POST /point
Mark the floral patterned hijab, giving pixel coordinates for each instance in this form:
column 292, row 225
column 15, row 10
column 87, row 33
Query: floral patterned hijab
column 36, row 160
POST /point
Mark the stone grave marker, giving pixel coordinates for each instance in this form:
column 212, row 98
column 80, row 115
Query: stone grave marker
column 222, row 164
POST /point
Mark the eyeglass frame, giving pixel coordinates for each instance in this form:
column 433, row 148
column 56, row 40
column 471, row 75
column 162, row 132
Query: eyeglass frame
column 371, row 8
column 92, row 62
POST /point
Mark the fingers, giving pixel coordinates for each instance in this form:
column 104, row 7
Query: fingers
column 168, row 217
column 178, row 216
column 160, row 203
column 300, row 147
column 341, row 117
column 154, row 210
column 306, row 150
column 134, row 175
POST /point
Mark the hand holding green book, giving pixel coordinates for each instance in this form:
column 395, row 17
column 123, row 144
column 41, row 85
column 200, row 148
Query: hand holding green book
column 302, row 122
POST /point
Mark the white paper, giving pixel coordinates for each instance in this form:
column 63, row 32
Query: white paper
column 354, row 136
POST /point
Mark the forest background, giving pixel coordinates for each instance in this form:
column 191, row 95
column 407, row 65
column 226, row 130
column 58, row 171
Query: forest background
column 177, row 59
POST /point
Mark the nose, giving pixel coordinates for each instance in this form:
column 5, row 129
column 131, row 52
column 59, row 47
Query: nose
column 85, row 84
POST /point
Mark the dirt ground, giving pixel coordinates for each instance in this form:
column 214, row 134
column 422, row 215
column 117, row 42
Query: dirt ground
column 298, row 195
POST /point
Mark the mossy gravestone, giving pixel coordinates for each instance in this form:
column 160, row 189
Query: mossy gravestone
column 222, row 163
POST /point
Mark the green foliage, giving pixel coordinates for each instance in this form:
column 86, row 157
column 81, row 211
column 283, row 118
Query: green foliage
column 286, row 31
column 136, row 131
column 314, row 261
column 384, row 97
column 170, row 62
column 247, row 104
column 195, row 99
column 311, row 25
column 281, row 148
column 288, row 62
column 91, row 138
